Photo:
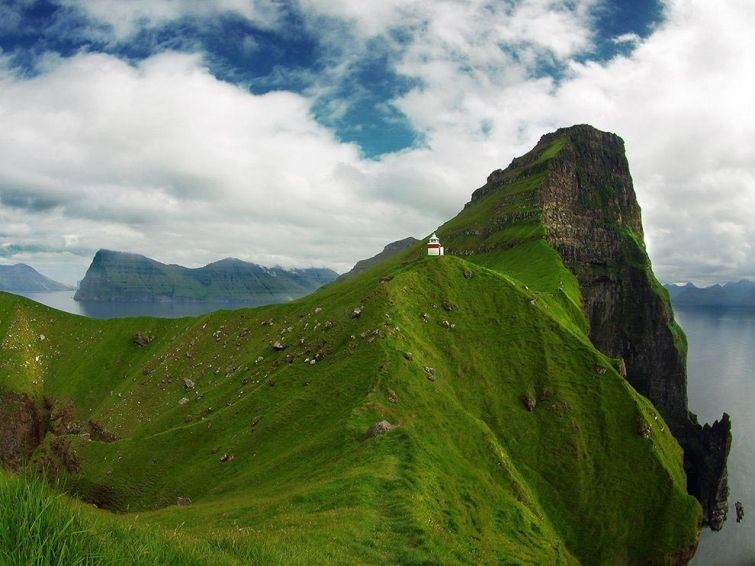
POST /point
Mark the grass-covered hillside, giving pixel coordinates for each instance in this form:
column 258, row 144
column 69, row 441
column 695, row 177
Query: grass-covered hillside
column 512, row 439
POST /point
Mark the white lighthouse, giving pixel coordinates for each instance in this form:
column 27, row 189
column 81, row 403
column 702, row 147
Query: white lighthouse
column 433, row 246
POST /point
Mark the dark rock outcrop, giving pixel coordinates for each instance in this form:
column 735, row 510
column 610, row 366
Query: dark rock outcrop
column 587, row 205
column 23, row 426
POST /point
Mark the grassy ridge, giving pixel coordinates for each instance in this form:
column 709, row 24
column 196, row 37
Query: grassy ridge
column 468, row 474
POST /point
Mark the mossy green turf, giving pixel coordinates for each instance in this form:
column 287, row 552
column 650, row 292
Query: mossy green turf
column 468, row 474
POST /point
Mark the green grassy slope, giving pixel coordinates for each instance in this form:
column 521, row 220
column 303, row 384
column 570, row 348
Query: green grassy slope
column 468, row 474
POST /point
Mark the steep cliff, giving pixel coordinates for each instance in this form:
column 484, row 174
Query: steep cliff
column 125, row 277
column 574, row 191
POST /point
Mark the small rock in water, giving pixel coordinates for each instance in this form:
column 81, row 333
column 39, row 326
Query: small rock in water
column 379, row 428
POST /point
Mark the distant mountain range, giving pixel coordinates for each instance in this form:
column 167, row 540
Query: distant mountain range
column 125, row 277
column 739, row 294
column 22, row 278
column 388, row 252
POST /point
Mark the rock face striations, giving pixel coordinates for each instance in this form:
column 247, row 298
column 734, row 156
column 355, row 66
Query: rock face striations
column 581, row 193
column 124, row 277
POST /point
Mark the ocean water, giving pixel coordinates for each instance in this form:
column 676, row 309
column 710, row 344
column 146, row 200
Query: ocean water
column 721, row 377
column 63, row 300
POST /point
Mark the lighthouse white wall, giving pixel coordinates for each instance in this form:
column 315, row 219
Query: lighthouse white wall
column 435, row 251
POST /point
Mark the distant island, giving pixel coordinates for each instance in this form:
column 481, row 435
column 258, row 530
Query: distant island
column 126, row 277
column 22, row 278
column 734, row 294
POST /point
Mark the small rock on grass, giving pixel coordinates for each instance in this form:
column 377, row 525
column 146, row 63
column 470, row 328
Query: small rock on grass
column 430, row 373
column 379, row 428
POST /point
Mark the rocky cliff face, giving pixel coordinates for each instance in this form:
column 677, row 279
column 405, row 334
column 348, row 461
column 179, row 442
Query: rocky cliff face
column 587, row 205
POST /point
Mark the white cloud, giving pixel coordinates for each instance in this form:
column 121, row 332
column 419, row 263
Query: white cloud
column 125, row 17
column 164, row 159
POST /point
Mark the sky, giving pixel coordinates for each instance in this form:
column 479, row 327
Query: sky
column 313, row 132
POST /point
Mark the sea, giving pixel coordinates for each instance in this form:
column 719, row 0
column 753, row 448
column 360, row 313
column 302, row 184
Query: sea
column 63, row 300
column 721, row 377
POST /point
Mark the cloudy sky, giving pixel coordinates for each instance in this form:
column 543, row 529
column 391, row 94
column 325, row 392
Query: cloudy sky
column 313, row 132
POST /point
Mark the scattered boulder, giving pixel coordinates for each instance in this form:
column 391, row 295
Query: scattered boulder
column 277, row 346
column 146, row 371
column 600, row 369
column 328, row 325
column 379, row 428
column 99, row 433
column 142, row 340
column 467, row 274
column 392, row 396
column 643, row 428
column 408, row 356
column 318, row 310
column 183, row 400
column 227, row 458
column 357, row 312
column 529, row 402
column 449, row 306
column 430, row 373
column 386, row 278
column 425, row 317
column 255, row 421
column 188, row 384
column 445, row 324
column 289, row 358
column 183, row 501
